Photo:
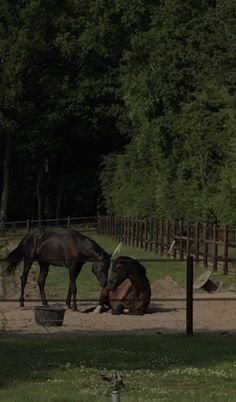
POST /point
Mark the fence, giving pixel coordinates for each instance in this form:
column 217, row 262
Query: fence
column 210, row 243
column 202, row 241
column 15, row 228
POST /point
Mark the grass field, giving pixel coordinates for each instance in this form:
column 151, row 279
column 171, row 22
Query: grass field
column 176, row 368
column 153, row 368
column 57, row 281
column 88, row 287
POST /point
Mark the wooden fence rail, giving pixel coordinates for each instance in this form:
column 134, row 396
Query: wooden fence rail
column 12, row 228
column 211, row 244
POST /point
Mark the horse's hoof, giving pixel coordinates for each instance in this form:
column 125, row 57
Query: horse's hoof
column 136, row 313
column 98, row 309
column 115, row 312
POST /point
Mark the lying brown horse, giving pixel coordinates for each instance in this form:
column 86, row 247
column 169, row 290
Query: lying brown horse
column 128, row 288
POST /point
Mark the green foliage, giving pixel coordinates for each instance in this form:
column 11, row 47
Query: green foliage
column 60, row 93
column 178, row 81
column 146, row 86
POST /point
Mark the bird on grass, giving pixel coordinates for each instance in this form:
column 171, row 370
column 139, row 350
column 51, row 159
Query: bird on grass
column 115, row 379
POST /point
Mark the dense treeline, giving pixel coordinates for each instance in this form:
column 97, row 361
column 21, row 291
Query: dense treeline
column 179, row 82
column 60, row 101
column 149, row 84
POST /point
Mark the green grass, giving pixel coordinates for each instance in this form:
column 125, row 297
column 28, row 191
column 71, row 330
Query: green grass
column 153, row 368
column 88, row 287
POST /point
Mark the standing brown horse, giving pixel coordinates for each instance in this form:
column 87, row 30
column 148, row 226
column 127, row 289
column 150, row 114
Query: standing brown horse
column 128, row 287
column 71, row 250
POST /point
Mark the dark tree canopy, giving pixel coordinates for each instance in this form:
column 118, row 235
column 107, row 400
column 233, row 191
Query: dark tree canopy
column 125, row 106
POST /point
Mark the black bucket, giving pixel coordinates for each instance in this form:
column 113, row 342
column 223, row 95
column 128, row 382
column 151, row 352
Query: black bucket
column 49, row 316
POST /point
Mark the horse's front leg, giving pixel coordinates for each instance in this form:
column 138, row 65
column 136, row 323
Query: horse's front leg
column 24, row 276
column 73, row 272
column 68, row 298
column 41, row 282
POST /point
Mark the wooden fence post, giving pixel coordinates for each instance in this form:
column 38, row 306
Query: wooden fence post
column 156, row 235
column 226, row 236
column 189, row 296
column 215, row 248
column 115, row 228
column 205, row 252
column 174, row 238
column 181, row 251
column 141, row 233
column 161, row 236
column 151, row 234
column 145, row 234
column 98, row 223
column 125, row 230
column 68, row 223
column 197, row 242
column 167, row 236
column 132, row 231
column 188, row 241
column 120, row 229
column 136, row 233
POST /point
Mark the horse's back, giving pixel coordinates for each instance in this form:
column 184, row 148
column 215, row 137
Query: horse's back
column 51, row 247
column 65, row 249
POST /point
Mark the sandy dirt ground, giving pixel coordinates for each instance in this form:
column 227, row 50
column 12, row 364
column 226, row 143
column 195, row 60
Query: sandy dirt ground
column 163, row 316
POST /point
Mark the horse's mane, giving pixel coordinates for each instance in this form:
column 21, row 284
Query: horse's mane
column 96, row 246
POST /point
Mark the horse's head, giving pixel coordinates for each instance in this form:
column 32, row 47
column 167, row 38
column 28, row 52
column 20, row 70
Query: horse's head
column 118, row 275
column 100, row 269
column 123, row 268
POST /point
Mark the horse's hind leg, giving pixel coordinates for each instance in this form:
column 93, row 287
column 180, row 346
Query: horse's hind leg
column 138, row 308
column 68, row 298
column 41, row 282
column 117, row 308
column 72, row 290
column 24, row 276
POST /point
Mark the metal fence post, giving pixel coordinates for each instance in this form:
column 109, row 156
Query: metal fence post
column 115, row 396
column 189, row 296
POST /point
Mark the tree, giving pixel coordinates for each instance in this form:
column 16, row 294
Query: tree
column 178, row 83
column 67, row 67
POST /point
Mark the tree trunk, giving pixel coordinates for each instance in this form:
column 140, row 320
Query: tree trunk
column 60, row 192
column 58, row 207
column 6, row 180
column 38, row 192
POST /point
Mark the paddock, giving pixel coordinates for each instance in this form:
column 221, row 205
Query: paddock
column 212, row 312
column 210, row 315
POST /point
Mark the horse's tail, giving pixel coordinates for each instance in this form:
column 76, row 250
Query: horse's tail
column 15, row 257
